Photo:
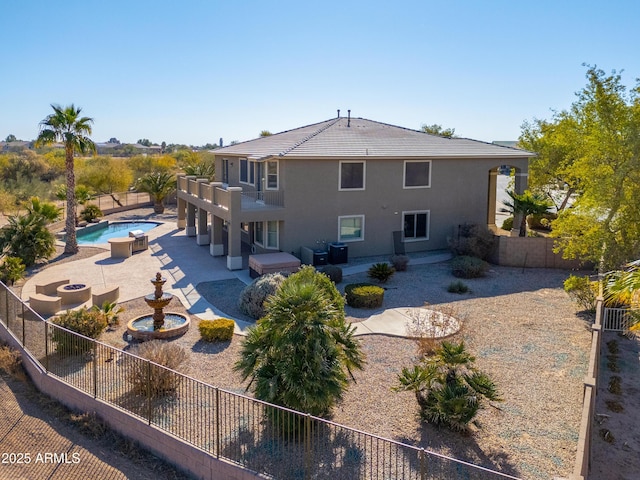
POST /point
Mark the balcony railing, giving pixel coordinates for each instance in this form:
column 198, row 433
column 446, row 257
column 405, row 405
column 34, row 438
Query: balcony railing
column 218, row 194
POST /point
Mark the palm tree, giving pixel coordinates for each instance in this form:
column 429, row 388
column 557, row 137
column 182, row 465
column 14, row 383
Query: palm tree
column 159, row 185
column 525, row 204
column 302, row 353
column 66, row 125
column 48, row 210
column 623, row 288
column 448, row 388
column 27, row 237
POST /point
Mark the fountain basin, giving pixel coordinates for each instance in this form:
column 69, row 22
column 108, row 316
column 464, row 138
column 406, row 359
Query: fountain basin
column 142, row 328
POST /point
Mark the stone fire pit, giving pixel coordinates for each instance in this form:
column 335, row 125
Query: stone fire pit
column 73, row 293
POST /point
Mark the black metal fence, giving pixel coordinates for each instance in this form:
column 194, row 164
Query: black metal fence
column 271, row 440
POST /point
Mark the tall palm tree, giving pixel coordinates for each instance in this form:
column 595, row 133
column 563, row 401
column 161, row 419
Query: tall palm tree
column 65, row 125
column 159, row 185
column 525, row 204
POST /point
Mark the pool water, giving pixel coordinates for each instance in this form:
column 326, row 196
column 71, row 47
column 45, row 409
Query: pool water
column 113, row 230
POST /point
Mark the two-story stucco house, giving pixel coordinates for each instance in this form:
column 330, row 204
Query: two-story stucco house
column 347, row 180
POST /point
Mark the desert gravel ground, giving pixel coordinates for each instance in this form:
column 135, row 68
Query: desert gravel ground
column 523, row 329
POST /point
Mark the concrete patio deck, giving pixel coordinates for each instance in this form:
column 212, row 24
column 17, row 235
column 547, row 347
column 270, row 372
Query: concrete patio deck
column 185, row 264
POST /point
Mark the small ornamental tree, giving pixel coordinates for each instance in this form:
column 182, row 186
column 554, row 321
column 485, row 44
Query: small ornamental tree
column 301, row 354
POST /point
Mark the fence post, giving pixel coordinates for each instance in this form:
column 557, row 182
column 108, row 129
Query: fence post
column 423, row 465
column 307, row 446
column 6, row 304
column 95, row 369
column 46, row 345
column 149, row 391
column 217, row 422
column 22, row 303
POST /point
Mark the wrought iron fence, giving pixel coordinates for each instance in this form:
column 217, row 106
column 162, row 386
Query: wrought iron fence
column 619, row 319
column 265, row 438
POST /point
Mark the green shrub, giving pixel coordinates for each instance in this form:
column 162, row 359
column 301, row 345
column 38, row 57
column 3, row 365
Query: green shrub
column 364, row 295
column 145, row 378
column 334, row 272
column 254, row 295
column 507, row 224
column 399, row 262
column 218, row 329
column 381, row 272
column 457, row 287
column 582, row 291
column 468, row 267
column 90, row 323
column 91, row 212
column 110, row 312
column 541, row 221
column 11, row 270
column 473, row 241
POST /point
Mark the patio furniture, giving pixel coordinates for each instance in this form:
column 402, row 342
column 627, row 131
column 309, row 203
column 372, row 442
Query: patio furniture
column 108, row 293
column 45, row 305
column 51, row 287
column 271, row 263
column 121, row 247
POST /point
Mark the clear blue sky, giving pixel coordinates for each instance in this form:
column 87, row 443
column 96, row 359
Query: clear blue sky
column 193, row 71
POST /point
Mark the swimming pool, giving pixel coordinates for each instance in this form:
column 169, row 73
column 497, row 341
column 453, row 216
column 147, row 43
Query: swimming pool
column 113, row 230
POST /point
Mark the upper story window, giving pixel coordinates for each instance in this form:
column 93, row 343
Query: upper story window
column 352, row 176
column 272, row 175
column 247, row 171
column 417, row 173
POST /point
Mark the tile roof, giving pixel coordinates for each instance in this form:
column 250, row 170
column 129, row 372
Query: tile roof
column 359, row 137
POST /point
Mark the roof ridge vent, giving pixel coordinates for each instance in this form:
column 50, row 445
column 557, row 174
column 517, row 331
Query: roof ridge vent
column 309, row 137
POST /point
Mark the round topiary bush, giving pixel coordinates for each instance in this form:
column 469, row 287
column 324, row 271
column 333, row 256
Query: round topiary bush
column 219, row 329
column 507, row 224
column 333, row 272
column 253, row 296
column 364, row 295
column 468, row 267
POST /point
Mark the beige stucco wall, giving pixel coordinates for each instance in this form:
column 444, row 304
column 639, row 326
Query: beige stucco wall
column 459, row 193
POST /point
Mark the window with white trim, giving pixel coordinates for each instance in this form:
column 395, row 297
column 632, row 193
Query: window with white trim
column 272, row 234
column 351, row 228
column 258, row 233
column 416, row 225
column 417, row 174
column 272, row 175
column 351, row 175
column 266, row 234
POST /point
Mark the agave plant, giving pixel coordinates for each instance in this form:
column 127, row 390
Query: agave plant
column 381, row 272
